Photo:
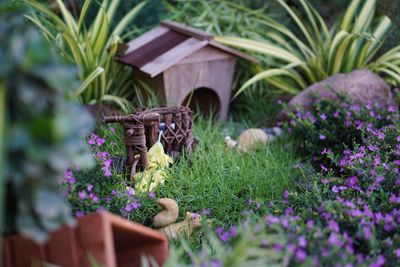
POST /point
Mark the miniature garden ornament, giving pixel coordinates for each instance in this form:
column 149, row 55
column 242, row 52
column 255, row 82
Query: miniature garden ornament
column 186, row 227
column 167, row 217
column 174, row 55
column 250, row 138
column 169, row 213
column 155, row 173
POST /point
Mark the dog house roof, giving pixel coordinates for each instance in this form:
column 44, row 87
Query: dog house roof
column 160, row 48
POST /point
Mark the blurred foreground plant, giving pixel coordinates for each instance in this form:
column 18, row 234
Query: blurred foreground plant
column 44, row 129
column 90, row 47
column 313, row 52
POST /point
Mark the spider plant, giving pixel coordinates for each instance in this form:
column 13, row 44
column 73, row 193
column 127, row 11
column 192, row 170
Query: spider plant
column 90, row 47
column 314, row 52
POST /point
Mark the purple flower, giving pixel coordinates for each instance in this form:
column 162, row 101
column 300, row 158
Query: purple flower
column 334, row 226
column 233, row 231
column 302, row 241
column 301, row 255
column 131, row 206
column 89, row 188
column 216, row 263
column 379, row 179
column 392, row 109
column 367, row 232
column 94, row 198
column 100, row 141
column 130, row 191
column 278, row 247
column 205, row 212
column 323, row 116
column 379, row 262
column 322, row 137
column 224, row 237
column 285, row 194
column 397, row 253
column 82, row 195
column 69, row 178
column 219, row 230
column 106, row 167
column 323, row 168
column 152, row 195
column 310, row 225
column 334, row 240
column 79, row 214
column 335, row 189
column 250, row 201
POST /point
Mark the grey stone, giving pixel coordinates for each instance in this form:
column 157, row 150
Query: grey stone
column 360, row 85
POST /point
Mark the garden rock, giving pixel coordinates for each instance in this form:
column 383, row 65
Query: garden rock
column 360, row 86
column 250, row 138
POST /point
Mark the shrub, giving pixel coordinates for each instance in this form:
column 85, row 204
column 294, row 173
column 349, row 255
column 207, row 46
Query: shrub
column 43, row 130
column 91, row 48
column 318, row 52
column 335, row 125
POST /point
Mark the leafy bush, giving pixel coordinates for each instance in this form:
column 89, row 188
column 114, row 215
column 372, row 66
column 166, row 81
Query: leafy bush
column 319, row 52
column 90, row 47
column 335, row 125
column 107, row 186
column 43, row 132
column 349, row 216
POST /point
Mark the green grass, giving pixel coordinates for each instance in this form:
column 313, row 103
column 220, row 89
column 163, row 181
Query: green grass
column 219, row 178
column 222, row 179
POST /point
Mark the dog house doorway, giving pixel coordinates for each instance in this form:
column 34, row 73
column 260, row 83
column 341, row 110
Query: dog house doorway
column 204, row 101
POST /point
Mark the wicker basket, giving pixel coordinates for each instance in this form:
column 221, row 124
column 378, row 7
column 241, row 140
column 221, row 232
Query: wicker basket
column 142, row 128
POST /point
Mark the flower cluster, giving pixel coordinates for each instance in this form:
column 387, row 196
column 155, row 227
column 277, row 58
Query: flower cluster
column 349, row 212
column 102, row 188
column 332, row 126
column 352, row 218
column 96, row 143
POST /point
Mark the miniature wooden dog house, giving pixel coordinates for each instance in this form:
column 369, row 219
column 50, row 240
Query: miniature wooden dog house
column 184, row 65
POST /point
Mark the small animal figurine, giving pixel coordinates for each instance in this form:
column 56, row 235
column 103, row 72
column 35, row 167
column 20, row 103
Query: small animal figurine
column 250, row 138
column 186, row 227
column 169, row 213
column 165, row 220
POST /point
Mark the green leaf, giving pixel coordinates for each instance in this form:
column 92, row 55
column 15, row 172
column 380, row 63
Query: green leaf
column 82, row 15
column 124, row 22
column 264, row 75
column 68, row 18
column 90, row 78
column 347, row 20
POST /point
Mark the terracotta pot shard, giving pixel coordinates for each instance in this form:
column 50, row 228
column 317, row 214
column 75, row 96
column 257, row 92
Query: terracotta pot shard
column 106, row 238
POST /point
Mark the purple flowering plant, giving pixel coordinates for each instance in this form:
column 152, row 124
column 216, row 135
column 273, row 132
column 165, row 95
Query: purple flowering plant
column 347, row 214
column 333, row 126
column 107, row 187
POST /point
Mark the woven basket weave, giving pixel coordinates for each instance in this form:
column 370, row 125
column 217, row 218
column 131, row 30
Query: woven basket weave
column 142, row 129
